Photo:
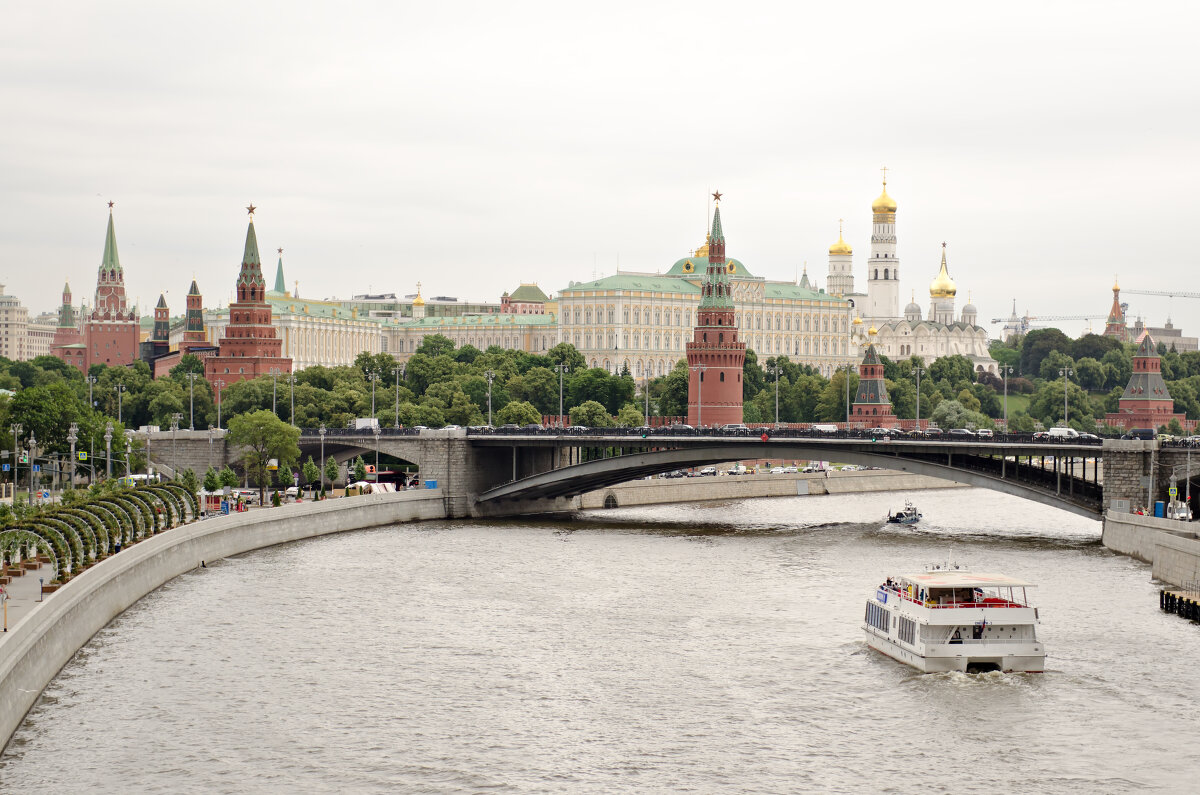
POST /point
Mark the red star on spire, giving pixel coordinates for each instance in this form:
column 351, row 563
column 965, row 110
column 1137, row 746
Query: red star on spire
column 251, row 208
column 110, row 205
column 716, row 196
column 280, row 251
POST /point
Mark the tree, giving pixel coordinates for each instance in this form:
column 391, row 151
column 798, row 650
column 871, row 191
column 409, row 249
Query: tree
column 630, row 416
column 310, row 471
column 332, row 470
column 520, row 413
column 190, row 481
column 953, row 414
column 360, row 469
column 591, row 414
column 212, row 480
column 1090, row 373
column 673, row 400
column 1038, row 344
column 753, row 377
column 968, row 400
column 566, row 353
column 831, row 406
column 228, row 478
column 188, row 363
column 955, row 369
column 436, row 345
column 263, row 437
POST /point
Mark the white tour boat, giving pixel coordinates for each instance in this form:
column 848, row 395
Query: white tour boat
column 951, row 619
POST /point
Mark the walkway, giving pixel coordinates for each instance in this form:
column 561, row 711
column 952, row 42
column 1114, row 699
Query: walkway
column 25, row 591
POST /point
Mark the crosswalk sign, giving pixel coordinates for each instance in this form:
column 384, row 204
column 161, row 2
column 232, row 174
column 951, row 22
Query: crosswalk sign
column 82, row 455
column 7, row 467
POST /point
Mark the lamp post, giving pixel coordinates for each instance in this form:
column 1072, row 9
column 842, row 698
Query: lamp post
column 322, row 431
column 212, row 436
column 218, row 384
column 191, row 401
column 1006, row 370
column 91, row 379
column 72, row 438
column 646, row 395
column 292, row 398
column 174, row 447
column 490, row 376
column 700, row 395
column 774, row 370
column 1066, row 373
column 373, row 378
column 120, row 388
column 399, row 373
column 16, row 432
column 564, row 368
column 32, row 459
column 375, row 432
column 108, row 434
column 919, row 371
column 128, row 456
column 274, row 384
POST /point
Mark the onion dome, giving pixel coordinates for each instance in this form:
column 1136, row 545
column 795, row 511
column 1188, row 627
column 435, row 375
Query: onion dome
column 418, row 301
column 858, row 321
column 872, row 331
column 913, row 308
column 885, row 203
column 1116, row 286
column 841, row 247
column 943, row 286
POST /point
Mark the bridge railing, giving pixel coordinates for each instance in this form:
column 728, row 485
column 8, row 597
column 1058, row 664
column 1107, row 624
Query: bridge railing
column 333, row 433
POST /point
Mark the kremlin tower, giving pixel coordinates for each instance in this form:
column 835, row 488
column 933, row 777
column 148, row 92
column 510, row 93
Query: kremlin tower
column 1146, row 403
column 251, row 346
column 841, row 267
column 872, row 405
column 193, row 332
column 68, row 338
column 715, row 357
column 941, row 295
column 1115, row 325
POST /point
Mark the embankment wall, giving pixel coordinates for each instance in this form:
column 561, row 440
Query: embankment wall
column 1170, row 547
column 735, row 487
column 33, row 651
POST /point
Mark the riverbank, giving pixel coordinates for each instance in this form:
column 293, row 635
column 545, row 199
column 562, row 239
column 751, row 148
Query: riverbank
column 735, row 487
column 44, row 635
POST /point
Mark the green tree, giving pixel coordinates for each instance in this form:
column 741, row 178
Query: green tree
column 360, row 469
column 310, row 471
column 332, row 470
column 591, row 414
column 190, row 481
column 831, row 406
column 968, row 401
column 1090, row 373
column 566, row 353
column 212, row 480
column 673, row 401
column 1037, row 345
column 753, row 377
column 263, row 437
column 188, row 363
column 435, row 345
column 228, row 477
column 630, row 416
column 520, row 413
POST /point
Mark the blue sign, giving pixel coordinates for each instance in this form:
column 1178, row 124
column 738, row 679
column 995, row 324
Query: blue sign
column 37, row 467
column 881, row 595
column 225, row 506
column 7, row 467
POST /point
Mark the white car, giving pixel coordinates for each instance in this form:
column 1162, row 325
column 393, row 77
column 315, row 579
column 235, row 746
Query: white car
column 791, row 469
column 776, row 470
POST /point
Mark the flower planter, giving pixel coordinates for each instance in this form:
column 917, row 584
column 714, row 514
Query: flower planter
column 30, row 565
column 51, row 588
column 14, row 571
column 42, row 558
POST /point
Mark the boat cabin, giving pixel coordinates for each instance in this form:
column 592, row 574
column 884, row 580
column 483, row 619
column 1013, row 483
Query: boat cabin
column 941, row 589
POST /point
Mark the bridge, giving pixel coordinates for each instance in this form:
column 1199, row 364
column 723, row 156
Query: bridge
column 493, row 472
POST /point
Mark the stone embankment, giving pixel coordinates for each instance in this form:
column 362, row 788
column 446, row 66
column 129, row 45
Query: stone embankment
column 50, row 632
column 1170, row 547
column 736, row 487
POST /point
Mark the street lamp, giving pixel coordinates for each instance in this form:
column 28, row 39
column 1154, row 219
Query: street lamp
column 490, row 376
column 919, row 371
column 373, row 378
column 375, row 432
column 120, row 388
column 212, row 436
column 72, row 438
column 128, row 455
column 564, row 368
column 322, row 431
column 91, row 379
column 1066, row 373
column 174, row 447
column 274, row 384
column 191, row 377
column 774, row 369
column 700, row 395
column 1006, row 370
column 399, row 373
column 218, row 384
column 108, row 435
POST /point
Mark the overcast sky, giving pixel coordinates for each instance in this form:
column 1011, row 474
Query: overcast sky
column 475, row 146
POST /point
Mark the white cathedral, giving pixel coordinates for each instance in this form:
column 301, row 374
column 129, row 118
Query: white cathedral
column 902, row 336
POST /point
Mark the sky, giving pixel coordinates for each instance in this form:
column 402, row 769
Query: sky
column 474, row 146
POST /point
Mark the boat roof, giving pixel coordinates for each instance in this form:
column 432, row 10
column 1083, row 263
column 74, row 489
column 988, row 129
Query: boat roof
column 965, row 579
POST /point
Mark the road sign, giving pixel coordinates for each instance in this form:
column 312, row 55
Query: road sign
column 37, row 467
column 7, row 467
column 1173, row 491
column 45, row 495
column 24, row 458
column 82, row 455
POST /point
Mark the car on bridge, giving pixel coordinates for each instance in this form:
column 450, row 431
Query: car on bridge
column 708, row 471
column 985, row 433
column 928, row 432
column 961, row 432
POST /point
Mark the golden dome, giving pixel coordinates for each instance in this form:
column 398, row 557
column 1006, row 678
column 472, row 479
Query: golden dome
column 841, row 246
column 872, row 331
column 1116, row 286
column 885, row 203
column 858, row 321
column 943, row 286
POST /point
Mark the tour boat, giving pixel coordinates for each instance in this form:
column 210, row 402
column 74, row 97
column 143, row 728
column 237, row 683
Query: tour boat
column 908, row 515
column 952, row 619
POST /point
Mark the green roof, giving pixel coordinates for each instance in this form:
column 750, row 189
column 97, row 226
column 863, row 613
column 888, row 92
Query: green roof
column 111, row 261
column 637, row 281
column 251, row 266
column 696, row 266
column 796, row 292
column 529, row 292
column 280, row 286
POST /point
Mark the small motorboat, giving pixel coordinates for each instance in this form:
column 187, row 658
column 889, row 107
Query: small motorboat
column 907, row 515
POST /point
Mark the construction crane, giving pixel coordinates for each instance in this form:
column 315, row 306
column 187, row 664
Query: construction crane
column 1167, row 293
column 1024, row 324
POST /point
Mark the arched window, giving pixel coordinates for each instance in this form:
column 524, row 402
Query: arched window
column 885, row 273
column 722, row 376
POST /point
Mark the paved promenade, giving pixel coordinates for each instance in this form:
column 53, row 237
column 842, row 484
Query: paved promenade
column 24, row 592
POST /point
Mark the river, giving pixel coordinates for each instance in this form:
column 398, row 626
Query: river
column 696, row 648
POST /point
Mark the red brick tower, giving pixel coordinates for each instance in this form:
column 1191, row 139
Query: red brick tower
column 250, row 347
column 1115, row 325
column 112, row 331
column 715, row 357
column 872, row 405
column 193, row 333
column 68, row 338
column 1146, row 403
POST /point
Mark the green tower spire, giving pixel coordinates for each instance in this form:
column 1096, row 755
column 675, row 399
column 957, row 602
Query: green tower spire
column 715, row 292
column 280, row 285
column 111, row 261
column 251, row 272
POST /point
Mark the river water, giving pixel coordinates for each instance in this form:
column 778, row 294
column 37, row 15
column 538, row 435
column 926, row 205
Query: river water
column 697, row 648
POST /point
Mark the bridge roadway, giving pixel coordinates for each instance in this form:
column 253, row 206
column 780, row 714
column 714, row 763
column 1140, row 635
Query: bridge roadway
column 492, row 471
